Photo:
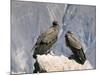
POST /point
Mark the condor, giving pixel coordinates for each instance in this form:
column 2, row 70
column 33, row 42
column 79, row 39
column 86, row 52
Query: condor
column 76, row 47
column 46, row 40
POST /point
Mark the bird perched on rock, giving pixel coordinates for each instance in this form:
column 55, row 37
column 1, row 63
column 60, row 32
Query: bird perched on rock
column 76, row 47
column 46, row 40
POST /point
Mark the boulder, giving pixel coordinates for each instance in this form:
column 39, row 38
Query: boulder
column 52, row 63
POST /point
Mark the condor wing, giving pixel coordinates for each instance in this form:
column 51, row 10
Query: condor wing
column 50, row 35
column 74, row 42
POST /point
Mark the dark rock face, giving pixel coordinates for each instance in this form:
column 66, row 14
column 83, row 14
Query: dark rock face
column 46, row 40
column 38, row 68
column 74, row 44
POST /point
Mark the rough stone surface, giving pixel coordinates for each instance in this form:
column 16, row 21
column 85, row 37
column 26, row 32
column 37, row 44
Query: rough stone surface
column 51, row 63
